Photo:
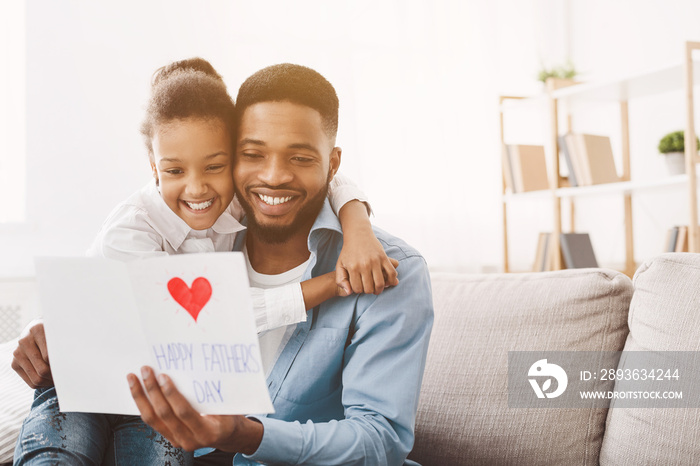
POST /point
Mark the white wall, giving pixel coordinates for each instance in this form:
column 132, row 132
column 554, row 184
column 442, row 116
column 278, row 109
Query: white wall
column 415, row 79
column 12, row 111
column 418, row 82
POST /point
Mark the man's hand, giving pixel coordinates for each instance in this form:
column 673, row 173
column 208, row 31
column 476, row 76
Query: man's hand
column 168, row 412
column 31, row 358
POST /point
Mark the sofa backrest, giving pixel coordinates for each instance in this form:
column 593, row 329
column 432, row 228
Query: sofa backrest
column 463, row 415
column 664, row 316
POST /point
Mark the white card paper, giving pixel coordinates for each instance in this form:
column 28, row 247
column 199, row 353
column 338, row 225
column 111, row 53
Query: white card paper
column 189, row 316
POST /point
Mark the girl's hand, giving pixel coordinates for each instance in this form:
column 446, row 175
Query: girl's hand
column 31, row 358
column 363, row 266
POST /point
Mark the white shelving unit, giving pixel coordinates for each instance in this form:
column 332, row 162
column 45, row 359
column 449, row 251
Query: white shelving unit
column 656, row 81
column 679, row 76
column 623, row 187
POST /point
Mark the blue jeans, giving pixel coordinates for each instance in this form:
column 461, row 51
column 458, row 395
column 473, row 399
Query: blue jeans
column 51, row 437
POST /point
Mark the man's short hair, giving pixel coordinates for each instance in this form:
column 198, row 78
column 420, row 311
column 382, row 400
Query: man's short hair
column 291, row 83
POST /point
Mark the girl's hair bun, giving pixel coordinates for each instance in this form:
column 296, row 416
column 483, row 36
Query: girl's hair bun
column 185, row 89
column 195, row 64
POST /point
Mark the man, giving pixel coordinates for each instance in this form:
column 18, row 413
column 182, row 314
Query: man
column 345, row 383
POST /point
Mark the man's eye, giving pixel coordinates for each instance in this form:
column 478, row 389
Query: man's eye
column 251, row 155
column 302, row 159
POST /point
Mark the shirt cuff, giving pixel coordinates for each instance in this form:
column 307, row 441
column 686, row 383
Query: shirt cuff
column 281, row 442
column 203, row 451
column 278, row 307
column 342, row 190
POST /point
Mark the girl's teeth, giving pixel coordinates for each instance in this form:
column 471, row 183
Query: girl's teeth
column 269, row 200
column 199, row 206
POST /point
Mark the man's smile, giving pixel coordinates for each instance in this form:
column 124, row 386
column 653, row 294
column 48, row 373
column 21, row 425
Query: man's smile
column 274, row 202
column 269, row 200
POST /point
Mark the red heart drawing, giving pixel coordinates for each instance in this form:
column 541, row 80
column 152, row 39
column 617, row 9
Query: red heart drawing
column 192, row 299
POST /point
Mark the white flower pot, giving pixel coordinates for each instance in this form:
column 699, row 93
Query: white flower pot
column 675, row 163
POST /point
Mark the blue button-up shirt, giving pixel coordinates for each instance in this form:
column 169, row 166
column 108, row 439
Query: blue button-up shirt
column 345, row 388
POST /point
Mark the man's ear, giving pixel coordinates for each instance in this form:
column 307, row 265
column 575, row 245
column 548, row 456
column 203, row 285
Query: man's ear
column 154, row 171
column 334, row 162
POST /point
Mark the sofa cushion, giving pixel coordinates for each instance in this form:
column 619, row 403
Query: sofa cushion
column 463, row 414
column 663, row 317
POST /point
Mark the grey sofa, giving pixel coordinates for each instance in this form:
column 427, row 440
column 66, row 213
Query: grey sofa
column 464, row 417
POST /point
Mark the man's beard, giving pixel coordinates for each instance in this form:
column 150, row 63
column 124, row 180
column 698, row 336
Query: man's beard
column 276, row 234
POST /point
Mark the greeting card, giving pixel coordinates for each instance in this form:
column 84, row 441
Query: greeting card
column 189, row 316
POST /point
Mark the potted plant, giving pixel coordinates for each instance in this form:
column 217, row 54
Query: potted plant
column 672, row 146
column 558, row 76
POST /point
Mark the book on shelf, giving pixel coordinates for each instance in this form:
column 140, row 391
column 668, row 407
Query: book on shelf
column 599, row 159
column 671, row 239
column 574, row 161
column 552, row 253
column 528, row 167
column 590, row 158
column 577, row 250
column 545, row 254
column 677, row 239
column 563, row 146
column 539, row 265
column 682, row 241
column 507, row 171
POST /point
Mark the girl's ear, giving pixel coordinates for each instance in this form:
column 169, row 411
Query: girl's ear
column 154, row 171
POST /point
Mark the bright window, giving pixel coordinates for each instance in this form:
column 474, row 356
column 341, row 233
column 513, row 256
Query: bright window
column 12, row 112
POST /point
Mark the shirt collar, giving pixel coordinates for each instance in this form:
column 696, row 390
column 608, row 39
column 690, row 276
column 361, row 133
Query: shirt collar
column 175, row 230
column 326, row 221
column 227, row 223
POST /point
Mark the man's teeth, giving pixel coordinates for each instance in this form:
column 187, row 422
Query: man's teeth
column 199, row 206
column 269, row 200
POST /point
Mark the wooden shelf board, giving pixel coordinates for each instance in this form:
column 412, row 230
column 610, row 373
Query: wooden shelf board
column 530, row 102
column 665, row 79
column 623, row 187
column 541, row 194
column 656, row 81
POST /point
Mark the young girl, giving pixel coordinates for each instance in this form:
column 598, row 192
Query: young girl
column 189, row 207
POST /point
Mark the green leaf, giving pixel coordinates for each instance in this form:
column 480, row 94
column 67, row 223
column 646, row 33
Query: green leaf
column 674, row 142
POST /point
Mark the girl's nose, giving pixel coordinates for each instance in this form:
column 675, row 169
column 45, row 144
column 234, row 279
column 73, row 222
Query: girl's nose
column 196, row 187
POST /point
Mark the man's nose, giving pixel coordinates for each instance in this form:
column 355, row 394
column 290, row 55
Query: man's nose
column 275, row 172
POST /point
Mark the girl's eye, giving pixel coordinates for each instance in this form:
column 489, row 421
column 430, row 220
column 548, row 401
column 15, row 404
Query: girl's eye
column 214, row 168
column 173, row 171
